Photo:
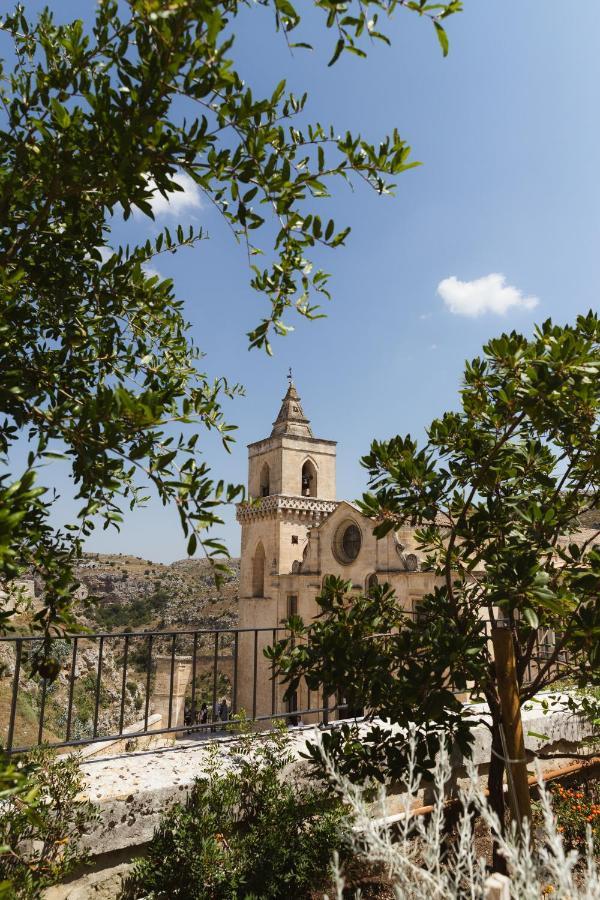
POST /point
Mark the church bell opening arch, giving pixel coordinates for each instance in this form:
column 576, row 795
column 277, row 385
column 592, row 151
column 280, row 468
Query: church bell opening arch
column 265, row 481
column 308, row 480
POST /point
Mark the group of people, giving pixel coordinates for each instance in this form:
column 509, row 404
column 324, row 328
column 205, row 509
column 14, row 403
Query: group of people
column 204, row 716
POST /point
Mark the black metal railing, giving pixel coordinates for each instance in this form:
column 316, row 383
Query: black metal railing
column 109, row 682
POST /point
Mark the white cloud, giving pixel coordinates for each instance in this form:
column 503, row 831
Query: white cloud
column 425, row 316
column 490, row 294
column 150, row 271
column 177, row 202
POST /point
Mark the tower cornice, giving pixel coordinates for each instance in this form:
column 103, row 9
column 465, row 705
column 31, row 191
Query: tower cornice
column 289, row 440
column 278, row 505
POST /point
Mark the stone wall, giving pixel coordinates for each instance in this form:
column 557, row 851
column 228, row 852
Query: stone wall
column 133, row 790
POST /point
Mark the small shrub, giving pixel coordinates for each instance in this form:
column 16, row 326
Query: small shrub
column 139, row 611
column 40, row 833
column 243, row 833
column 576, row 811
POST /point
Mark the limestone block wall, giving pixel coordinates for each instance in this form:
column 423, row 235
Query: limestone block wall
column 292, row 531
column 255, row 614
column 320, row 453
column 125, row 743
column 285, row 456
column 269, row 452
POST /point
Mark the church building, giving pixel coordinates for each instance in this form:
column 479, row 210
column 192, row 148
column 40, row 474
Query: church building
column 294, row 533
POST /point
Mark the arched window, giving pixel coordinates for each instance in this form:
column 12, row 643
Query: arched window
column 309, row 479
column 372, row 582
column 258, row 572
column 265, row 481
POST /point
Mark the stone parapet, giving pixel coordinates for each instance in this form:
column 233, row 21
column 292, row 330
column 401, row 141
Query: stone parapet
column 133, row 790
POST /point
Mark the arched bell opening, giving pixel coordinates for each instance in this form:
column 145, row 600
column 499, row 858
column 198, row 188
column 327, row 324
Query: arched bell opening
column 265, row 481
column 309, row 479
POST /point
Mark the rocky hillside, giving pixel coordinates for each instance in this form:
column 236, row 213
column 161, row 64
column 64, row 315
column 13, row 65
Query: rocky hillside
column 591, row 519
column 135, row 593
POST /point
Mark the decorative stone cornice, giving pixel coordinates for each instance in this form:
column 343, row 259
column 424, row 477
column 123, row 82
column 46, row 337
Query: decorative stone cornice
column 280, row 505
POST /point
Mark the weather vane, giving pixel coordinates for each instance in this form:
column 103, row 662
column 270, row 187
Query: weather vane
column 289, row 376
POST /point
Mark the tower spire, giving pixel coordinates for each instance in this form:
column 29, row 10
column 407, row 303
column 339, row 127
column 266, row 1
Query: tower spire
column 291, row 419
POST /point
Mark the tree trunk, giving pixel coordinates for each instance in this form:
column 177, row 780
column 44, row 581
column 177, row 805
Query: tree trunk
column 496, row 791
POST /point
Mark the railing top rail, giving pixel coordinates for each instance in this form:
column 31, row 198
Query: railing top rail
column 179, row 631
column 87, row 635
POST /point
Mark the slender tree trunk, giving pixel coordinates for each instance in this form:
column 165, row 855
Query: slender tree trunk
column 496, row 791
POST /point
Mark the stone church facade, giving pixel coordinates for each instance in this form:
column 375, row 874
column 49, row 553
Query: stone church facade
column 294, row 533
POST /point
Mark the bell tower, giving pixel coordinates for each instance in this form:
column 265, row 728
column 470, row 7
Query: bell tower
column 291, row 487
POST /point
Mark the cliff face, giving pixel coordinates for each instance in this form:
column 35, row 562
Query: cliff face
column 129, row 592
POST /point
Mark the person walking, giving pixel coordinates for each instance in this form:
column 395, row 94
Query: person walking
column 223, row 710
column 204, row 714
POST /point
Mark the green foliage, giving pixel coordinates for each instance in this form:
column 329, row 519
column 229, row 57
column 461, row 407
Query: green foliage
column 248, row 832
column 138, row 611
column 41, row 830
column 495, row 493
column 84, row 698
column 511, row 474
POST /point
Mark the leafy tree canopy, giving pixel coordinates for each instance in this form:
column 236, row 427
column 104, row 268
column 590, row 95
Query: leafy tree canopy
column 96, row 361
column 497, row 494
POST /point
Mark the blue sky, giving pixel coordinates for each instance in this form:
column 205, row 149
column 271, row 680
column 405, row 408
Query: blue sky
column 508, row 130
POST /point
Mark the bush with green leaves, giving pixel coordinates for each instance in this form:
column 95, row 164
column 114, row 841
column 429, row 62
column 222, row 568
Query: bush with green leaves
column 139, row 610
column 248, row 829
column 40, row 831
